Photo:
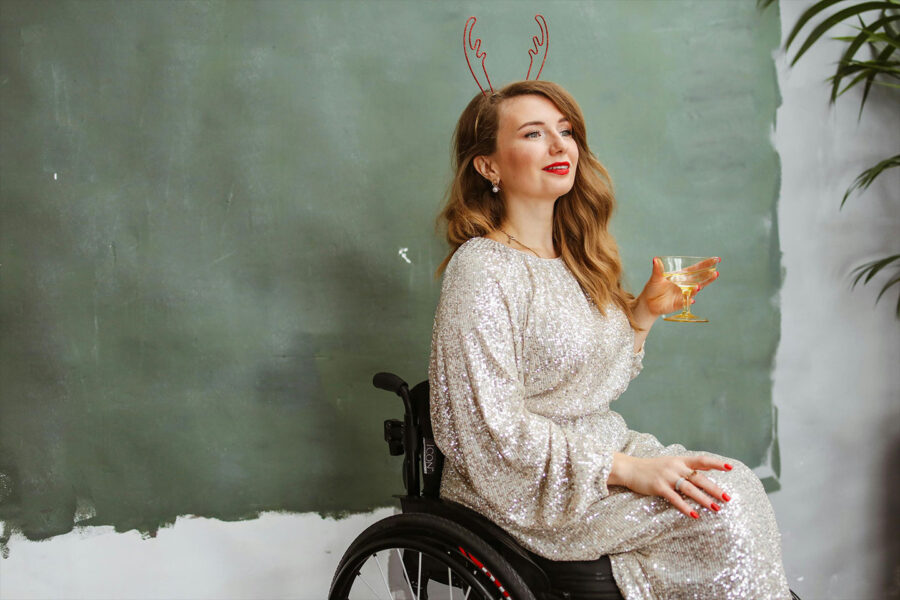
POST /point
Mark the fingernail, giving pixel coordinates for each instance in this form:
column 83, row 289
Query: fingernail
column 718, row 259
column 727, row 467
column 714, row 506
column 717, row 274
column 694, row 514
column 692, row 301
column 725, row 497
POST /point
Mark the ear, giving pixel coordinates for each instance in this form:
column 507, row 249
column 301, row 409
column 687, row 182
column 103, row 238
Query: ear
column 487, row 168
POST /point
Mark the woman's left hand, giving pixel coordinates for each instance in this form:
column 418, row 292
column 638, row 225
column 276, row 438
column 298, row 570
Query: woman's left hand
column 661, row 296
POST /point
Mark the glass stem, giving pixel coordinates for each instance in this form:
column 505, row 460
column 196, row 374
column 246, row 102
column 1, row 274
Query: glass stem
column 687, row 301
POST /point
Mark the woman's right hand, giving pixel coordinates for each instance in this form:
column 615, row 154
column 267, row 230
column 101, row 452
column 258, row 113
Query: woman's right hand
column 657, row 476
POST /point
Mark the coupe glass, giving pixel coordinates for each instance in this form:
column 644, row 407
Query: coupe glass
column 687, row 272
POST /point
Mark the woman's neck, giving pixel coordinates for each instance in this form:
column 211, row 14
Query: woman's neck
column 531, row 224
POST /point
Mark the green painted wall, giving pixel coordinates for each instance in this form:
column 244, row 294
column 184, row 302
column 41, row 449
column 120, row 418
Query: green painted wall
column 204, row 206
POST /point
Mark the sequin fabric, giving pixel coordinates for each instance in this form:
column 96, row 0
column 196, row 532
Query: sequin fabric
column 523, row 370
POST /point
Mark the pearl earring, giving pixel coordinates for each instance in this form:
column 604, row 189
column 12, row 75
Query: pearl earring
column 496, row 187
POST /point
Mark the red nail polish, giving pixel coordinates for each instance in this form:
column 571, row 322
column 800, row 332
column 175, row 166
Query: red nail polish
column 727, row 467
column 714, row 506
column 694, row 514
column 725, row 497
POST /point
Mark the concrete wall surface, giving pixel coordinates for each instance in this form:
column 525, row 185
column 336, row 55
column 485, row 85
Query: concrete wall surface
column 836, row 383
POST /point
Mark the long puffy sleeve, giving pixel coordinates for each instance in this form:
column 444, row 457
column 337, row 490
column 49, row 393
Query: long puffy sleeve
column 637, row 362
column 523, row 370
column 501, row 457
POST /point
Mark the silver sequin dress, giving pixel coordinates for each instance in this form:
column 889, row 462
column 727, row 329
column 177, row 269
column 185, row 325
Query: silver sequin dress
column 523, row 370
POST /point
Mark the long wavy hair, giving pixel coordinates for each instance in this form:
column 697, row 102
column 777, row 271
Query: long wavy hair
column 580, row 217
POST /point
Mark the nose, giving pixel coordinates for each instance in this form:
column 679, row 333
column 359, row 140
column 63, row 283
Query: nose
column 557, row 144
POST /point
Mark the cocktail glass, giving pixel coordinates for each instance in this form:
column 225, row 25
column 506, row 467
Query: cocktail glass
column 687, row 272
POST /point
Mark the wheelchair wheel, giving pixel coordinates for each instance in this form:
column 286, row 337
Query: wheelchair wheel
column 424, row 557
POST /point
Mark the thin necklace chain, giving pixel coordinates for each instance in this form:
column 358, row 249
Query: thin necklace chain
column 512, row 239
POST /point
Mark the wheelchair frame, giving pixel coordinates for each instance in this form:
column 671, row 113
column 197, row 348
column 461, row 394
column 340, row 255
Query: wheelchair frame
column 500, row 567
column 449, row 535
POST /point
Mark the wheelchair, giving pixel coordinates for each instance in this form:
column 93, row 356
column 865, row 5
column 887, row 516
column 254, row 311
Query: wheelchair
column 437, row 549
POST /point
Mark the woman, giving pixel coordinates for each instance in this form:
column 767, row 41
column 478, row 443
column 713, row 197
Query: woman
column 534, row 336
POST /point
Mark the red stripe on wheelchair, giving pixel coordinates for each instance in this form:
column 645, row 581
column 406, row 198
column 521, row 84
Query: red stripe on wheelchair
column 484, row 570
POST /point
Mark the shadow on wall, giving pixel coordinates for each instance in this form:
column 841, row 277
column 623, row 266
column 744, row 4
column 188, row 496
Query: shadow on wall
column 891, row 519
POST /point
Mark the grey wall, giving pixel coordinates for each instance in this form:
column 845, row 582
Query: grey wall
column 836, row 382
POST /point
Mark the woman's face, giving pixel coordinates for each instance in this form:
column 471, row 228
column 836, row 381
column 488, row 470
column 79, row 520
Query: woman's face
column 536, row 155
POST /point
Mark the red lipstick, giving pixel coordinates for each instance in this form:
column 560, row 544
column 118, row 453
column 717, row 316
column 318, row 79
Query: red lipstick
column 558, row 168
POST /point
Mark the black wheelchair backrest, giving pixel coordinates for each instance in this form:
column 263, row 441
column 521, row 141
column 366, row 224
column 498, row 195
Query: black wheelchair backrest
column 432, row 459
column 413, row 437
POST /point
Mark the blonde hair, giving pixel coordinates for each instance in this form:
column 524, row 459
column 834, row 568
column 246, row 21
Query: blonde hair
column 580, row 217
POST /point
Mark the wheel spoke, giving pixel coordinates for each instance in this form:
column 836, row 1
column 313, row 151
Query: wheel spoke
column 363, row 579
column 405, row 574
column 419, row 578
column 383, row 577
column 362, row 583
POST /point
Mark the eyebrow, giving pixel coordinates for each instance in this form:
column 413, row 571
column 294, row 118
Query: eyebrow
column 540, row 123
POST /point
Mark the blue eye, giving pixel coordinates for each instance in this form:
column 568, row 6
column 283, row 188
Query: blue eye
column 535, row 134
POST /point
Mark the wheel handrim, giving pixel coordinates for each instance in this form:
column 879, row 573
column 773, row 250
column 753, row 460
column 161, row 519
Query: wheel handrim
column 394, row 572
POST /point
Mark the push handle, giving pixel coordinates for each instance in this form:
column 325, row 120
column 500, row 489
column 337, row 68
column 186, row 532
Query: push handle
column 410, row 430
column 389, row 382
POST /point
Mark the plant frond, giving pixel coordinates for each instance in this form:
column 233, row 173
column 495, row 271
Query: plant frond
column 807, row 15
column 863, row 73
column 854, row 45
column 874, row 36
column 894, row 281
column 870, row 269
column 873, row 65
column 882, row 56
column 831, row 21
column 890, row 29
column 865, row 179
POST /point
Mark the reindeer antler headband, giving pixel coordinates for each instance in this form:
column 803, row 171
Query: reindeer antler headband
column 543, row 42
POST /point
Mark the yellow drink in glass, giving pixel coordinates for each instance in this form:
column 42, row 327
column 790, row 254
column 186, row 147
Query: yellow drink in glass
column 687, row 272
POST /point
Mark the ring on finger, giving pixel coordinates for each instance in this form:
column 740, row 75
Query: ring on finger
column 692, row 473
column 679, row 482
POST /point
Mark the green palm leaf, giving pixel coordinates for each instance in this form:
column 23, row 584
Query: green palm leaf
column 882, row 38
column 885, row 53
column 870, row 269
column 855, row 44
column 865, row 179
column 807, row 15
column 874, row 36
column 831, row 21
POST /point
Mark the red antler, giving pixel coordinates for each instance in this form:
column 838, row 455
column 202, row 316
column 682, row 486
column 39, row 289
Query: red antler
column 468, row 45
column 544, row 42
